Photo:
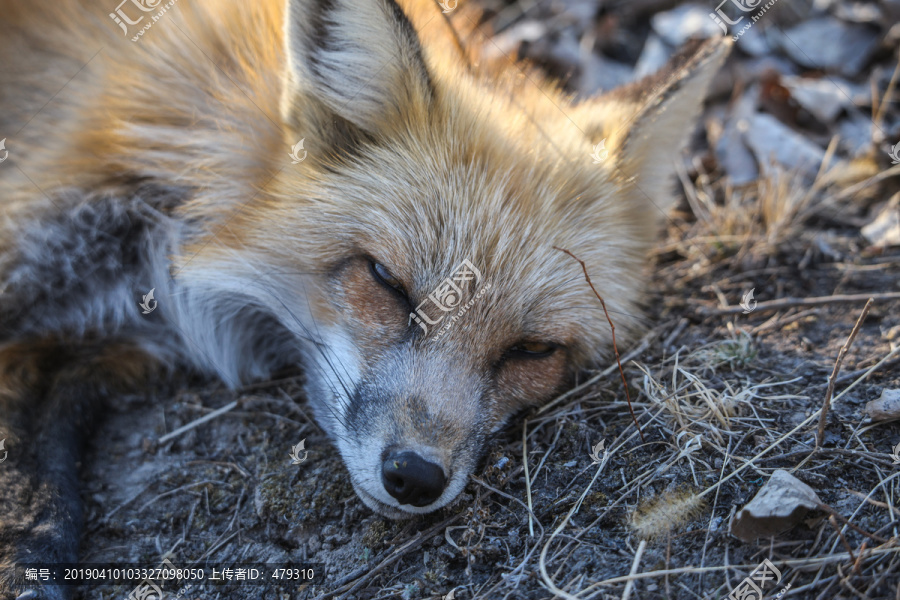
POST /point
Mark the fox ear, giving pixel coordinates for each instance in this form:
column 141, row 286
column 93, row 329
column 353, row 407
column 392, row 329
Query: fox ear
column 360, row 58
column 646, row 123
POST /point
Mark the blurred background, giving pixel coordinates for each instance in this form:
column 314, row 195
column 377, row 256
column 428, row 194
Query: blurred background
column 806, row 81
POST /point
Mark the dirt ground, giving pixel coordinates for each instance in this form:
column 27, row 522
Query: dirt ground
column 723, row 399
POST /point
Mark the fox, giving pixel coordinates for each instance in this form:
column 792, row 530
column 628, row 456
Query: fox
column 237, row 187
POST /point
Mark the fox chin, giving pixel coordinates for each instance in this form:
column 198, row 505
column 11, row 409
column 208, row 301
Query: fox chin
column 406, row 260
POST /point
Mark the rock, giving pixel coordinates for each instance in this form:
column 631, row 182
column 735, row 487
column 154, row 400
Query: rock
column 824, row 98
column 507, row 43
column 770, row 140
column 756, row 42
column 737, row 161
column 884, row 230
column 678, row 25
column 858, row 12
column 830, row 44
column 757, row 68
column 886, row 408
column 732, row 153
column 780, row 505
column 856, row 134
column 653, row 57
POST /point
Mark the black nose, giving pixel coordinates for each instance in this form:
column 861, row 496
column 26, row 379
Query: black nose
column 411, row 479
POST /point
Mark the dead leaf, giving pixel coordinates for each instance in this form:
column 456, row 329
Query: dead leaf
column 886, row 408
column 780, row 505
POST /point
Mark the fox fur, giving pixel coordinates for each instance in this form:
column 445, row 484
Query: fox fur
column 161, row 152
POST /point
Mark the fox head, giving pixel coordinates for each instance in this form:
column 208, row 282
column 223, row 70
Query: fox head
column 411, row 254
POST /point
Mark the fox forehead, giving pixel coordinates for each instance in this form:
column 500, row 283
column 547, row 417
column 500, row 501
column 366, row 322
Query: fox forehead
column 526, row 288
column 423, row 204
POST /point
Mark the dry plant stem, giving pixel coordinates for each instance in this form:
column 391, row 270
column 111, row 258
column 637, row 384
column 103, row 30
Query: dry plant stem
column 636, row 352
column 634, row 567
column 878, row 117
column 833, row 522
column 868, row 500
column 793, row 302
column 197, row 422
column 857, row 565
column 872, row 369
column 408, row 546
column 837, row 516
column 853, row 189
column 820, row 438
column 527, row 478
column 790, row 562
column 542, row 560
column 613, row 328
column 759, row 455
column 802, row 425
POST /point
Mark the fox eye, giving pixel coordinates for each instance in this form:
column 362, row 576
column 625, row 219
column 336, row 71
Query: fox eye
column 387, row 278
column 531, row 350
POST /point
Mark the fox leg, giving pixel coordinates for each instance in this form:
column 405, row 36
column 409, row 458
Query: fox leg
column 50, row 392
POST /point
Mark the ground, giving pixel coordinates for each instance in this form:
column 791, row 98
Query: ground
column 723, row 398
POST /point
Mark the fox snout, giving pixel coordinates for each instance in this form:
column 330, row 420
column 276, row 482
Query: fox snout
column 410, row 430
column 407, row 477
column 412, row 479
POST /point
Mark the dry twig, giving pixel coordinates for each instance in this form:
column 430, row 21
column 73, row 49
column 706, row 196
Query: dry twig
column 834, row 373
column 793, row 302
column 613, row 328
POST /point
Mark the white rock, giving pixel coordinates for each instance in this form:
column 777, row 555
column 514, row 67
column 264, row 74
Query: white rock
column 770, row 140
column 678, row 25
column 856, row 134
column 653, row 57
column 824, row 98
column 884, row 230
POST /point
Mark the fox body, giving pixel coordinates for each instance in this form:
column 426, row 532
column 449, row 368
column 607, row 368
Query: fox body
column 403, row 253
